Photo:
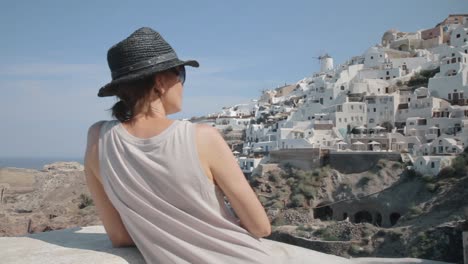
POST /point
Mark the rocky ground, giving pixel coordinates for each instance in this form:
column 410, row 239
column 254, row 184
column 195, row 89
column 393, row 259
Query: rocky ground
column 430, row 228
column 54, row 198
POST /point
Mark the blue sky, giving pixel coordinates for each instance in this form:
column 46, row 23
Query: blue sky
column 54, row 54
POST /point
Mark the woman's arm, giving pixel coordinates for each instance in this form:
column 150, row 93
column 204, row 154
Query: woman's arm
column 109, row 216
column 229, row 177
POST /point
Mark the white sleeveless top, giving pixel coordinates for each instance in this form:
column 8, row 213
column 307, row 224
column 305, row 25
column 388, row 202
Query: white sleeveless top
column 170, row 208
column 172, row 211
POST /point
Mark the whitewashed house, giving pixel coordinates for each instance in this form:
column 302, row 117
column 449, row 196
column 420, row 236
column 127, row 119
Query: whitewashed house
column 431, row 165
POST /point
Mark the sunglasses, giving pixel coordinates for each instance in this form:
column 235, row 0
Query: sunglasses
column 180, row 72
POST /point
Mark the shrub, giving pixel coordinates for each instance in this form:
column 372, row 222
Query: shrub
column 85, row 201
column 263, row 200
column 415, row 211
column 326, row 235
column 396, row 166
column 305, row 228
column 422, row 78
column 274, row 177
column 355, row 249
column 290, row 181
column 308, row 191
column 277, row 205
column 364, row 181
column 298, row 200
column 382, row 163
column 428, row 178
column 431, row 187
column 279, row 221
column 412, row 174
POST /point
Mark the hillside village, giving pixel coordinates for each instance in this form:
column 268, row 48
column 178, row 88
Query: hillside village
column 353, row 160
column 406, row 97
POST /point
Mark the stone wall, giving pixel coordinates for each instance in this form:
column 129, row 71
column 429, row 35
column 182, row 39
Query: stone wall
column 306, row 158
column 356, row 162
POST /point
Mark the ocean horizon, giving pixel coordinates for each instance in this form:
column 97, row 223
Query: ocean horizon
column 36, row 163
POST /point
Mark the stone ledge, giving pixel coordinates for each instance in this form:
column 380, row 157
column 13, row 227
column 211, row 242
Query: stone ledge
column 73, row 245
column 91, row 244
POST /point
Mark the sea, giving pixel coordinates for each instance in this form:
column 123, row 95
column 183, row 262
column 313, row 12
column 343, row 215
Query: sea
column 33, row 162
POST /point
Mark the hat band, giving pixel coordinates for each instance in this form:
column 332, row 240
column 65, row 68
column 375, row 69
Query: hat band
column 143, row 64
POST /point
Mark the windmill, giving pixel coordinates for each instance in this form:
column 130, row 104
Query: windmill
column 326, row 62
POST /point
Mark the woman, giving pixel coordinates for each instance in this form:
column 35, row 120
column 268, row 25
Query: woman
column 148, row 78
column 159, row 184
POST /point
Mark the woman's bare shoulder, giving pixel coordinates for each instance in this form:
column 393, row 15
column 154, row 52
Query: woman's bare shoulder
column 208, row 135
column 91, row 153
column 94, row 130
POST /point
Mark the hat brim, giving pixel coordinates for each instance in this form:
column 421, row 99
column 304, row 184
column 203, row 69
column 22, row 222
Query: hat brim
column 109, row 89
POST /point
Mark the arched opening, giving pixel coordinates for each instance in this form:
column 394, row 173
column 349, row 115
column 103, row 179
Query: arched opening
column 378, row 219
column 345, row 215
column 324, row 213
column 403, row 47
column 394, row 218
column 363, row 217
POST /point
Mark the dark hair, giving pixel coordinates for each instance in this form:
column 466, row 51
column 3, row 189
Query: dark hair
column 135, row 97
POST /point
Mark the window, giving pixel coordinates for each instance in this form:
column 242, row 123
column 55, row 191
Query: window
column 346, row 120
column 388, row 73
column 352, row 118
column 361, row 118
column 360, row 107
column 342, row 88
column 352, row 107
column 371, row 120
column 432, row 165
column 458, row 36
column 375, row 109
column 371, row 57
column 339, row 120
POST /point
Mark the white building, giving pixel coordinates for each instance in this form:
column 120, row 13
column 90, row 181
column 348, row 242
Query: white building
column 431, row 165
column 381, row 108
column 348, row 115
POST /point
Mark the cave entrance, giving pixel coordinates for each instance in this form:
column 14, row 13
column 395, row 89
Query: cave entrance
column 323, row 213
column 345, row 215
column 378, row 219
column 394, row 218
column 363, row 217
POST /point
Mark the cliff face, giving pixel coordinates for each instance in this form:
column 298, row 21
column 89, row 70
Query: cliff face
column 54, row 198
column 386, row 211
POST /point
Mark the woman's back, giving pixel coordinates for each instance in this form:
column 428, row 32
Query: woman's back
column 172, row 211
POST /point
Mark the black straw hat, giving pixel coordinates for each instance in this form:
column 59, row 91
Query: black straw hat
column 142, row 54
